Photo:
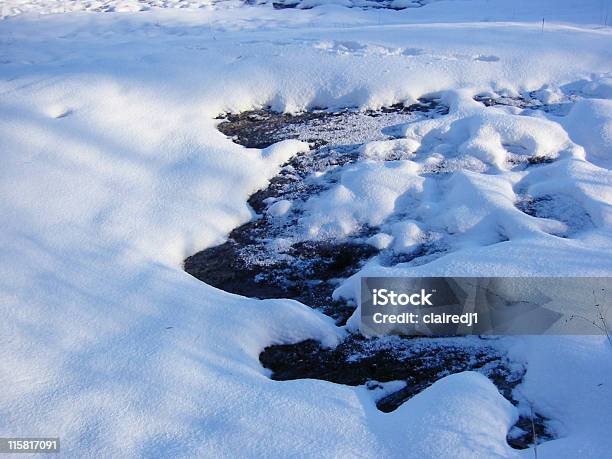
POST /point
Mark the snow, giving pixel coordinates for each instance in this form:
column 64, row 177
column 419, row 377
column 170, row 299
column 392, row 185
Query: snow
column 113, row 172
column 489, row 137
column 380, row 240
column 590, row 124
column 279, row 208
column 448, row 418
column 579, row 401
column 382, row 150
column 366, row 195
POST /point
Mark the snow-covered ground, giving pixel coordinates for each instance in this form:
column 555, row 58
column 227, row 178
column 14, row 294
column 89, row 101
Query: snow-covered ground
column 113, row 172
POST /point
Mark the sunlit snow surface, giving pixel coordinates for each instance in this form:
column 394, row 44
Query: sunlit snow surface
column 113, row 172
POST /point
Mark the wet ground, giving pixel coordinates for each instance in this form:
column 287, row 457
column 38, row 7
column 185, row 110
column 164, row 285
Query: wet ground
column 359, row 360
column 414, row 363
column 268, row 258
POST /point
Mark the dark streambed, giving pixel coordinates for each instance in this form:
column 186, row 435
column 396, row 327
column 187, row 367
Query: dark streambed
column 418, row 362
column 250, row 263
column 359, row 360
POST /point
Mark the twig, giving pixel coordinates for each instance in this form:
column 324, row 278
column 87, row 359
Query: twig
column 600, row 315
column 534, row 435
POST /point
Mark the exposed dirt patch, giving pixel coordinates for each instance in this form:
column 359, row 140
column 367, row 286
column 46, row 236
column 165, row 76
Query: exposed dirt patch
column 559, row 207
column 262, row 128
column 419, row 362
column 268, row 257
column 528, row 101
column 308, row 273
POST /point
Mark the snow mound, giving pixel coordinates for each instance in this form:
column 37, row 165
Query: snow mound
column 366, row 195
column 441, row 420
column 488, row 139
column 590, row 124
